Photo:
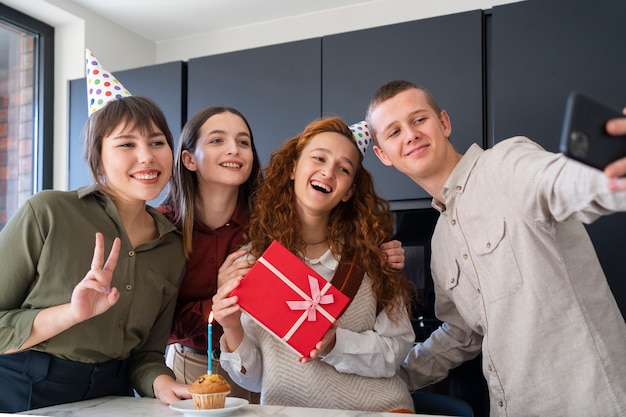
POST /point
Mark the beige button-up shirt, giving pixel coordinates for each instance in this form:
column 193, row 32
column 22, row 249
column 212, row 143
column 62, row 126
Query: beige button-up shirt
column 517, row 278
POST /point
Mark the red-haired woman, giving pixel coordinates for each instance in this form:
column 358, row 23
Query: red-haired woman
column 318, row 200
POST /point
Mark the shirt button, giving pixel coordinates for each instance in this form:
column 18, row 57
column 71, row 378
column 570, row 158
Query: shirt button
column 458, row 188
column 500, row 403
column 452, row 280
column 131, row 253
column 453, row 222
column 121, row 323
column 212, row 260
column 488, row 245
column 490, row 368
column 478, row 289
column 129, row 287
column 227, row 224
column 465, row 256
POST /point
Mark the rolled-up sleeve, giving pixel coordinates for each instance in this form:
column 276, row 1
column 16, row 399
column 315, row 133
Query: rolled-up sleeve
column 244, row 365
column 376, row 353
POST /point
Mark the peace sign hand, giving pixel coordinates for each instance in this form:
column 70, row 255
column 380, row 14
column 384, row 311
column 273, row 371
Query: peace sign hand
column 94, row 295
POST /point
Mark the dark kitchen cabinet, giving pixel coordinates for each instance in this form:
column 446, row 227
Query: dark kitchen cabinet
column 277, row 88
column 444, row 54
column 542, row 50
column 162, row 83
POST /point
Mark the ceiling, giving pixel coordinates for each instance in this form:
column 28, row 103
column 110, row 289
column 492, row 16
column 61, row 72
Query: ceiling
column 162, row 20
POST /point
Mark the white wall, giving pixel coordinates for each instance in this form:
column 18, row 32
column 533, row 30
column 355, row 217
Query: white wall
column 344, row 19
column 77, row 28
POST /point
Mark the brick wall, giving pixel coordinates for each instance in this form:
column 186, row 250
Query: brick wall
column 4, row 158
column 16, row 130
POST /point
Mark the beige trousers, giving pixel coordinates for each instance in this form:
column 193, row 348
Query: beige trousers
column 188, row 366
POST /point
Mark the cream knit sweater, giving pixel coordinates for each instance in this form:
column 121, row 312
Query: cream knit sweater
column 317, row 384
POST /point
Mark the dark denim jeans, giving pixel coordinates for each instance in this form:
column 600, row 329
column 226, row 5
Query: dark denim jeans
column 32, row 379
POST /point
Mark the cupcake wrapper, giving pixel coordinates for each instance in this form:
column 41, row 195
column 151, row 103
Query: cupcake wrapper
column 209, row 401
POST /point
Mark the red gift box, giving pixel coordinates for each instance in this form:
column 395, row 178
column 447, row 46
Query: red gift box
column 289, row 299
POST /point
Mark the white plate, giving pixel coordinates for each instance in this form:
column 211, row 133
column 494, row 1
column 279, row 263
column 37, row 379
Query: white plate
column 186, row 407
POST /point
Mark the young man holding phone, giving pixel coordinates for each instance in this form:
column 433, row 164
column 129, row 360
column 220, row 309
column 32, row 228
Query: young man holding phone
column 516, row 275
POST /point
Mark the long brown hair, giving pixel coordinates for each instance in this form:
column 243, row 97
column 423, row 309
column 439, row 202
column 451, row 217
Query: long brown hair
column 183, row 193
column 357, row 226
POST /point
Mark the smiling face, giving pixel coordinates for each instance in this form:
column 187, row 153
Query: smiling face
column 136, row 165
column 223, row 152
column 412, row 137
column 324, row 173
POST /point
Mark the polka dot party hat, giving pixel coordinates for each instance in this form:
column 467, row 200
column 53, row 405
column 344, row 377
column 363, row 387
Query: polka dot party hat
column 102, row 86
column 361, row 133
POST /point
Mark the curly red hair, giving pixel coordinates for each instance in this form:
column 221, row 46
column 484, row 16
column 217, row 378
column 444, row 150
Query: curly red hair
column 357, row 226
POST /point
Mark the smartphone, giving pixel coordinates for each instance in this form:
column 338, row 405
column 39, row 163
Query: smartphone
column 584, row 137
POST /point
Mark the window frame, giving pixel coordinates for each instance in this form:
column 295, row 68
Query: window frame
column 44, row 102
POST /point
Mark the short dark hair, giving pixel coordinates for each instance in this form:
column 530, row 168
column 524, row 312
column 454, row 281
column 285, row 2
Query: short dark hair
column 135, row 112
column 392, row 89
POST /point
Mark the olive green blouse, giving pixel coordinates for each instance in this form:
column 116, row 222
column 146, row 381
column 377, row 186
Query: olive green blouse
column 47, row 248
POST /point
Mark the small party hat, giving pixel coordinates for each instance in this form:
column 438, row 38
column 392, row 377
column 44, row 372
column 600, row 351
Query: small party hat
column 361, row 133
column 102, row 86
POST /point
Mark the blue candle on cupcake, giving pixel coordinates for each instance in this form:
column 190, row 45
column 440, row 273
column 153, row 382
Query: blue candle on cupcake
column 210, row 345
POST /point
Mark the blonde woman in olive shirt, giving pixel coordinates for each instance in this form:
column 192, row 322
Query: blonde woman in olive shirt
column 78, row 322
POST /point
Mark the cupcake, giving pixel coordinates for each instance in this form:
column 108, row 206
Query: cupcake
column 209, row 391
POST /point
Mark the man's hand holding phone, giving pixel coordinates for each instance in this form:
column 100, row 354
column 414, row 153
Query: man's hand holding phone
column 585, row 135
column 616, row 170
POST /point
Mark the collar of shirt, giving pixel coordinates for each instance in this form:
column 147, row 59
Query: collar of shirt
column 458, row 178
column 164, row 226
column 238, row 218
column 325, row 265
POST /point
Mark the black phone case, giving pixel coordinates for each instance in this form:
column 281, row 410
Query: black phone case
column 584, row 137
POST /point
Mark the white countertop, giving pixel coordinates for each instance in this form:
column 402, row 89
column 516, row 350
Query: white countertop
column 135, row 407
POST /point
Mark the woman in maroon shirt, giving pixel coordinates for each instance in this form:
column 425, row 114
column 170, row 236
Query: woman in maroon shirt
column 216, row 170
